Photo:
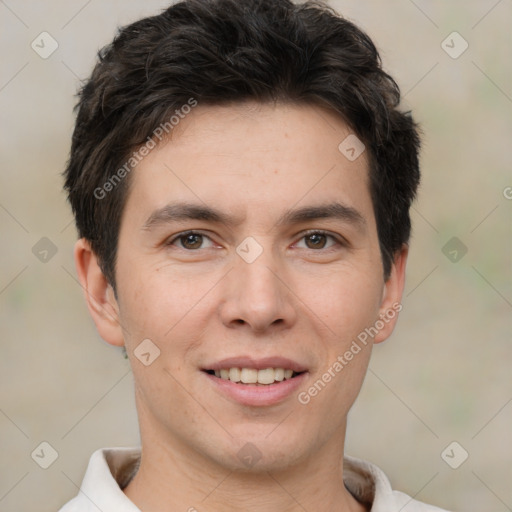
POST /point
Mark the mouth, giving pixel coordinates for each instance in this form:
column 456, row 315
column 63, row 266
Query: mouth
column 257, row 383
column 253, row 376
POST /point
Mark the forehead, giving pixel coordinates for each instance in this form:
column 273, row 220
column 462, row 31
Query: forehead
column 262, row 158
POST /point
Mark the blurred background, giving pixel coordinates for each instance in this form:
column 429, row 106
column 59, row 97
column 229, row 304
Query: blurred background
column 435, row 411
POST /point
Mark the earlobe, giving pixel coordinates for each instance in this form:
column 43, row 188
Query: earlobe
column 99, row 295
column 391, row 303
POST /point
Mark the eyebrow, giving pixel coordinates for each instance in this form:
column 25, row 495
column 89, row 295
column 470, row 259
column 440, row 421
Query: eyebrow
column 190, row 211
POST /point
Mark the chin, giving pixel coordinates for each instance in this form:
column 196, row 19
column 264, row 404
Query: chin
column 258, row 463
column 260, row 454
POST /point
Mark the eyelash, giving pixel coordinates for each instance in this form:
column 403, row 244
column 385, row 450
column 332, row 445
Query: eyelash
column 338, row 241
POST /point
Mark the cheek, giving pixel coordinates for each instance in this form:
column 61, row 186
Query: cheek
column 346, row 301
column 167, row 310
column 143, row 290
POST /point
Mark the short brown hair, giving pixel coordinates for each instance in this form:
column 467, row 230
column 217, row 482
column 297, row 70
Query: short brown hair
column 224, row 51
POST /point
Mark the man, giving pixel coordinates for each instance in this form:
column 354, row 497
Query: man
column 241, row 179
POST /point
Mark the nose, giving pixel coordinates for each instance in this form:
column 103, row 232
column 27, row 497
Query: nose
column 258, row 295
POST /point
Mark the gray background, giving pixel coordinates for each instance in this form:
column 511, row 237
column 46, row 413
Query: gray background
column 444, row 375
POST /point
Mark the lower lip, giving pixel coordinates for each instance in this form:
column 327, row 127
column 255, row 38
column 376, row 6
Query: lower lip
column 254, row 395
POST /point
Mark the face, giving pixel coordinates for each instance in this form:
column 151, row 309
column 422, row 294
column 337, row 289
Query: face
column 248, row 250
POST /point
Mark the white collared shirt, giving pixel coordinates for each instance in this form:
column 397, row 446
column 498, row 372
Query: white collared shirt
column 111, row 469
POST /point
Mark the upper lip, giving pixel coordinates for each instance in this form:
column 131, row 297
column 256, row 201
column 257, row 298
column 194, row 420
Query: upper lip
column 257, row 364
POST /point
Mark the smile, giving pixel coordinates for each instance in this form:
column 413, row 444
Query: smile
column 254, row 387
column 263, row 377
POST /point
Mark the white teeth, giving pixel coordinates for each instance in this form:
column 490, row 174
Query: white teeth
column 266, row 376
column 253, row 376
column 234, row 374
column 279, row 374
column 249, row 375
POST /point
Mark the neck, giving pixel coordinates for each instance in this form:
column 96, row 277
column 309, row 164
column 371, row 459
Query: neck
column 173, row 476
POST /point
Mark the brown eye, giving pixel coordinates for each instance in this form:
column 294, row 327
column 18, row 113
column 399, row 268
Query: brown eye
column 316, row 241
column 191, row 241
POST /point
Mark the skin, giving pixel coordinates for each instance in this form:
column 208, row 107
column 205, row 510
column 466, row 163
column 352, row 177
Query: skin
column 200, row 302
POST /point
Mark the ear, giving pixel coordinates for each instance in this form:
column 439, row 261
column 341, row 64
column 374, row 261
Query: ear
column 99, row 294
column 392, row 296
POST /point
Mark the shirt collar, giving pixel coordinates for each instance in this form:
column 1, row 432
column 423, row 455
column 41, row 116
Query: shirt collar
column 110, row 470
